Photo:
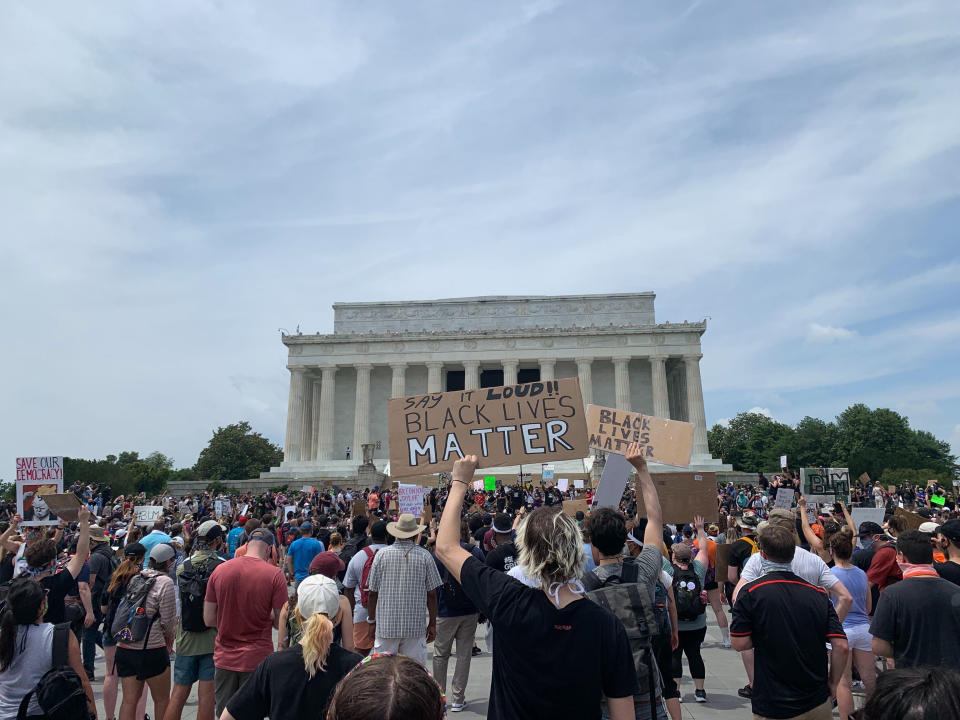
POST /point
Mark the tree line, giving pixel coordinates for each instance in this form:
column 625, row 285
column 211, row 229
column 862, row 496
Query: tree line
column 879, row 442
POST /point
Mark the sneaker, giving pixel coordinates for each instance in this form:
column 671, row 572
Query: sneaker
column 745, row 692
column 700, row 695
column 476, row 651
column 457, row 707
column 726, row 644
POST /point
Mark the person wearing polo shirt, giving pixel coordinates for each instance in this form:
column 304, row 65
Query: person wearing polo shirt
column 156, row 537
column 787, row 621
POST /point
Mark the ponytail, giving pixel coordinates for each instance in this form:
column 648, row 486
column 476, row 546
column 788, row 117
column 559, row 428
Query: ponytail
column 316, row 641
column 8, row 632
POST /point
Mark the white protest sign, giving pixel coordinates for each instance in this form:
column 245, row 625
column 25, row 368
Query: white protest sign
column 616, row 472
column 478, row 485
column 289, row 510
column 825, row 485
column 410, row 499
column 783, row 461
column 784, row 499
column 563, row 484
column 147, row 515
column 307, row 489
column 243, row 510
column 547, row 472
column 578, row 484
column 862, row 515
column 37, row 476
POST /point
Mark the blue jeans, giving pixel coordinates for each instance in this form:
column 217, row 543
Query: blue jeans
column 88, row 646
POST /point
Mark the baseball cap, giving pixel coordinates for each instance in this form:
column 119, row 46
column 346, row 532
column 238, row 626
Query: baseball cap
column 318, row 594
column 135, row 550
column 263, row 535
column 681, row 552
column 502, row 523
column 951, row 530
column 868, row 528
column 306, row 527
column 326, row 563
column 162, row 552
column 210, row 530
column 929, row 527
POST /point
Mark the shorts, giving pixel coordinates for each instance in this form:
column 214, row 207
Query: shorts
column 859, row 637
column 364, row 635
column 188, row 669
column 142, row 664
column 711, row 586
column 107, row 638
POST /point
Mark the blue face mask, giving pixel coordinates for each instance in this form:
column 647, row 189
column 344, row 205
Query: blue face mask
column 866, row 543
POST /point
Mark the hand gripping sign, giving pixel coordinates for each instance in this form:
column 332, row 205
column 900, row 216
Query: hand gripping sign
column 510, row 425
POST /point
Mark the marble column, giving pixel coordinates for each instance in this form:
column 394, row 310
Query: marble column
column 695, row 411
column 658, row 380
column 586, row 381
column 315, row 415
column 398, row 386
column 621, row 382
column 299, row 387
column 306, row 424
column 434, row 376
column 361, row 412
column 471, row 374
column 328, row 388
column 510, row 371
column 547, row 369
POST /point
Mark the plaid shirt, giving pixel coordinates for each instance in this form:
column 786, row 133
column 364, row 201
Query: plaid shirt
column 402, row 574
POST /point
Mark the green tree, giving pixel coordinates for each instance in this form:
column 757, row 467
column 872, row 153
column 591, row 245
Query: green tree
column 127, row 457
column 235, row 452
column 812, row 443
column 751, row 442
column 147, row 478
column 158, row 461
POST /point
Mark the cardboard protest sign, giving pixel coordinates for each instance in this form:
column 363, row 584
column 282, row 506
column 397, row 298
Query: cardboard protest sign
column 891, row 488
column 38, row 476
column 509, row 425
column 358, row 507
column 665, row 441
column 571, row 507
column 683, row 495
column 427, row 515
column 864, row 478
column 912, row 520
column 490, row 483
column 613, row 480
column 147, row 515
column 723, row 561
column 410, row 499
column 578, row 484
column 862, row 515
column 784, row 499
column 825, row 485
column 63, row 505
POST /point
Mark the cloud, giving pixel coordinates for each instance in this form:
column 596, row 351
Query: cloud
column 761, row 411
column 818, row 333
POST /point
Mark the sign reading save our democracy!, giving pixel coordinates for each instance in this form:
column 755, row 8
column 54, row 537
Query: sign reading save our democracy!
column 509, row 425
column 665, row 441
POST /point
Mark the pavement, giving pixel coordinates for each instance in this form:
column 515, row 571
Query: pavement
column 725, row 674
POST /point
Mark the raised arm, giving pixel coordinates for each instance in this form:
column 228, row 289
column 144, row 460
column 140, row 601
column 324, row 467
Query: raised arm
column 703, row 553
column 816, row 544
column 5, row 541
column 448, row 536
column 83, row 543
column 653, row 533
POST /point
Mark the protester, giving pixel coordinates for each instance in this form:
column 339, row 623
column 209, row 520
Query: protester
column 689, row 579
column 195, row 642
column 115, row 591
column 392, row 687
column 856, row 625
column 41, row 565
column 30, row 647
column 156, row 536
column 740, row 552
column 301, row 552
column 148, row 660
column 356, row 583
column 540, row 629
column 502, row 556
column 917, row 620
column 243, row 600
column 787, row 621
column 102, row 562
column 878, row 558
column 914, row 694
column 949, row 539
column 403, row 592
column 456, row 621
column 297, row 683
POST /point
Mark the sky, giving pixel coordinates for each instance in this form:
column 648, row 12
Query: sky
column 180, row 180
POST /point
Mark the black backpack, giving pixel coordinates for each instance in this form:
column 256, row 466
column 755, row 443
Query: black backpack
column 351, row 548
column 130, row 623
column 624, row 597
column 687, row 591
column 60, row 692
column 192, row 581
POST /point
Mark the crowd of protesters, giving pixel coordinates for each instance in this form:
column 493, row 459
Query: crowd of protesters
column 325, row 603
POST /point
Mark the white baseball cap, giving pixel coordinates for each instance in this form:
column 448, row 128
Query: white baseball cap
column 318, row 594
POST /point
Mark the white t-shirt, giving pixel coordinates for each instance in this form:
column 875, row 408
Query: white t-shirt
column 806, row 564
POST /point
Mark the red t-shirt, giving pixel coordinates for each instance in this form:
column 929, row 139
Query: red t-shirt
column 247, row 591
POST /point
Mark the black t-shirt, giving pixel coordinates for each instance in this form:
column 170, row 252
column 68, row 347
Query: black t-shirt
column 862, row 558
column 516, row 499
column 59, row 586
column 948, row 571
column 781, row 610
column 480, row 532
column 532, row 638
column 279, row 687
column 503, row 557
column 740, row 552
column 920, row 617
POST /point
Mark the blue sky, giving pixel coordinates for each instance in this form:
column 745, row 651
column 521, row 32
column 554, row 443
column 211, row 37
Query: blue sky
column 179, row 180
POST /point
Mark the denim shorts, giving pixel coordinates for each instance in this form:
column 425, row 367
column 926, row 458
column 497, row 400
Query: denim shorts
column 188, row 669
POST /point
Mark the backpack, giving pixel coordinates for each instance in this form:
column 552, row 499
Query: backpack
column 130, row 623
column 753, row 546
column 687, row 591
column 630, row 602
column 101, row 581
column 192, row 582
column 365, row 575
column 351, row 548
column 59, row 692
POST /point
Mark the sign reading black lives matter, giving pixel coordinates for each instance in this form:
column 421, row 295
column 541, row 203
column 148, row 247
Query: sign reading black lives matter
column 825, row 485
column 510, row 425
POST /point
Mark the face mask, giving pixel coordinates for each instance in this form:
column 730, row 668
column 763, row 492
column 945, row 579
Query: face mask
column 866, row 543
column 769, row 566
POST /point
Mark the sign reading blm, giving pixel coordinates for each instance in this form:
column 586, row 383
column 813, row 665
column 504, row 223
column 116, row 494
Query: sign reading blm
column 825, row 485
column 510, row 425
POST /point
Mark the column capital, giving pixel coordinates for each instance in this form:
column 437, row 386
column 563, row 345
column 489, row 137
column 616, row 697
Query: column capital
column 658, row 358
column 547, row 361
column 328, row 370
column 299, row 368
column 509, row 362
column 695, row 357
column 363, row 366
column 434, row 364
column 622, row 360
column 471, row 363
column 584, row 361
column 398, row 365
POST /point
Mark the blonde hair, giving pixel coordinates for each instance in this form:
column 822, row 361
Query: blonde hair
column 550, row 547
column 316, row 640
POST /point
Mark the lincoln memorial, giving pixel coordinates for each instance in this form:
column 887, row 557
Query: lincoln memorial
column 340, row 382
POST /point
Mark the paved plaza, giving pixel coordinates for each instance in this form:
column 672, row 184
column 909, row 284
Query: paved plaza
column 725, row 675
